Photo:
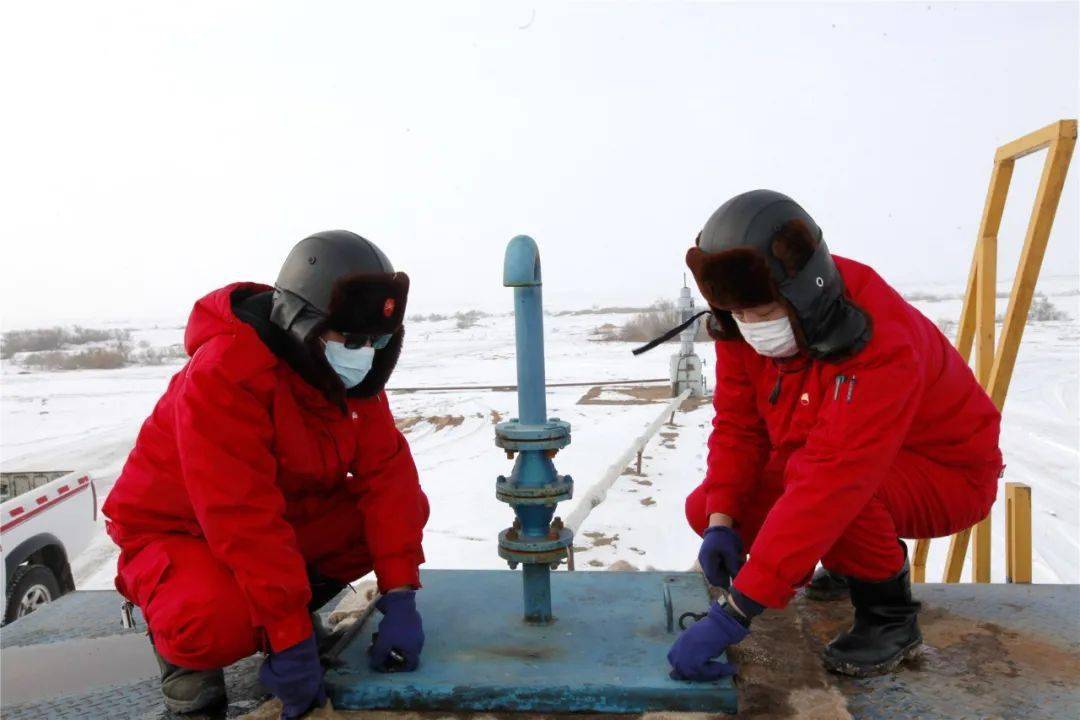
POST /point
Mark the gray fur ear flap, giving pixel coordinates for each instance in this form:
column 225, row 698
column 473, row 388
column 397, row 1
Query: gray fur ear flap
column 793, row 245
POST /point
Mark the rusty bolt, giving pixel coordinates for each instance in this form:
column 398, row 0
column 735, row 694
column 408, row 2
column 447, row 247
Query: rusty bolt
column 517, row 523
column 555, row 565
column 550, row 453
column 512, row 563
column 509, row 454
column 501, row 478
column 557, row 524
column 512, row 534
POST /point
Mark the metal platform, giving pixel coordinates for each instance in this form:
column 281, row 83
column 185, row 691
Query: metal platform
column 72, row 660
column 605, row 652
column 992, row 651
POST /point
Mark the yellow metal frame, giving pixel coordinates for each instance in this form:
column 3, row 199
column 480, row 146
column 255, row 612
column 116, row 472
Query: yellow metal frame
column 994, row 368
column 1017, row 533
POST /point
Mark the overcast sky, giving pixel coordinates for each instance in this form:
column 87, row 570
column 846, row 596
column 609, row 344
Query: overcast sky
column 152, row 151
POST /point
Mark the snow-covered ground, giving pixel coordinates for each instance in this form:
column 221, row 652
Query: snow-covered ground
column 88, row 420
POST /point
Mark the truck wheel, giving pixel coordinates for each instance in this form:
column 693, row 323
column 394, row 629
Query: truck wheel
column 31, row 587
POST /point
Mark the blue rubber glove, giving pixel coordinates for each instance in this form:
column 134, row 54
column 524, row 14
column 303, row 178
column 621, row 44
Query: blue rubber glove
column 721, row 556
column 397, row 645
column 691, row 656
column 295, row 677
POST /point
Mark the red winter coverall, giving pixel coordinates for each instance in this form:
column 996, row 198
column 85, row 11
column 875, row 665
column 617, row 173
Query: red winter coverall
column 899, row 440
column 244, row 476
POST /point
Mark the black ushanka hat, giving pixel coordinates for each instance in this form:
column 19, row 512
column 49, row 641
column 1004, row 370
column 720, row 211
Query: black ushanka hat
column 761, row 247
column 341, row 281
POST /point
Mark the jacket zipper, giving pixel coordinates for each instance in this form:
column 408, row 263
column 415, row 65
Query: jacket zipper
column 775, row 394
column 780, row 373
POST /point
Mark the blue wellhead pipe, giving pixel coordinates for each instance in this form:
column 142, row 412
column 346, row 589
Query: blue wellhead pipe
column 537, row 540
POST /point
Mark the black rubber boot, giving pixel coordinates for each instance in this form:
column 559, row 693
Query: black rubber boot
column 188, row 691
column 885, row 632
column 827, row 585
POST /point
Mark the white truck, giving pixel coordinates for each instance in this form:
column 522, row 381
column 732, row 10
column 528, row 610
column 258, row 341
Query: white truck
column 44, row 525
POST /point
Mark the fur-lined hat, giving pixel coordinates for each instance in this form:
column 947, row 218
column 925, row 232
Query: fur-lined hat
column 340, row 281
column 761, row 247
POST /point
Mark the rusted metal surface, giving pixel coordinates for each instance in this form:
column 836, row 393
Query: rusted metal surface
column 990, row 651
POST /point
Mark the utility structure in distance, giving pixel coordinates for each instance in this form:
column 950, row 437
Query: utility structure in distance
column 685, row 365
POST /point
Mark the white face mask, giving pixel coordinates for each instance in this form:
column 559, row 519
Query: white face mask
column 771, row 338
column 351, row 364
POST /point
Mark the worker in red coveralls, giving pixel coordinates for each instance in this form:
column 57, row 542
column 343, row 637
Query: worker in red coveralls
column 270, row 474
column 844, row 421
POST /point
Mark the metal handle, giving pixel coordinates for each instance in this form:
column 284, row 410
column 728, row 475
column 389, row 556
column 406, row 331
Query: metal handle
column 127, row 615
column 669, row 609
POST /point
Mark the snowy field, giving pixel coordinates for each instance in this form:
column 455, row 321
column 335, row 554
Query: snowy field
column 87, row 420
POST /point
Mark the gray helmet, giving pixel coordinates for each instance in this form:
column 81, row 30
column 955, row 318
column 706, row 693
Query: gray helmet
column 339, row 280
column 761, row 247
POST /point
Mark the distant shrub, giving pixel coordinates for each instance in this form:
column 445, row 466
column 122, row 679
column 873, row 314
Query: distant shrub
column 15, row 341
column 159, row 356
column 82, row 336
column 60, row 348
column 433, row 317
column 606, row 332
column 920, row 296
column 88, row 359
column 55, row 338
column 468, row 319
column 661, row 317
column 610, row 310
column 1042, row 310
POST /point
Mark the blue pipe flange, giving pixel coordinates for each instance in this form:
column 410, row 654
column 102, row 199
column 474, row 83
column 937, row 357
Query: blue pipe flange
column 547, row 550
column 515, row 435
column 550, row 558
column 516, row 494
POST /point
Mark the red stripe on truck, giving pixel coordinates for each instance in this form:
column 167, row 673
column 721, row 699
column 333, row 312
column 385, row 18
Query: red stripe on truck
column 26, row 516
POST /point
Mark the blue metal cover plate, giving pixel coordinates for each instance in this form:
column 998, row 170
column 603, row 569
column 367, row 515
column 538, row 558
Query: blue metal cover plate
column 606, row 651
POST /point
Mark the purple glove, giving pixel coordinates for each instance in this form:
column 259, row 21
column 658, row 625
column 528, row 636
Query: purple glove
column 295, row 677
column 721, row 556
column 397, row 645
column 692, row 654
